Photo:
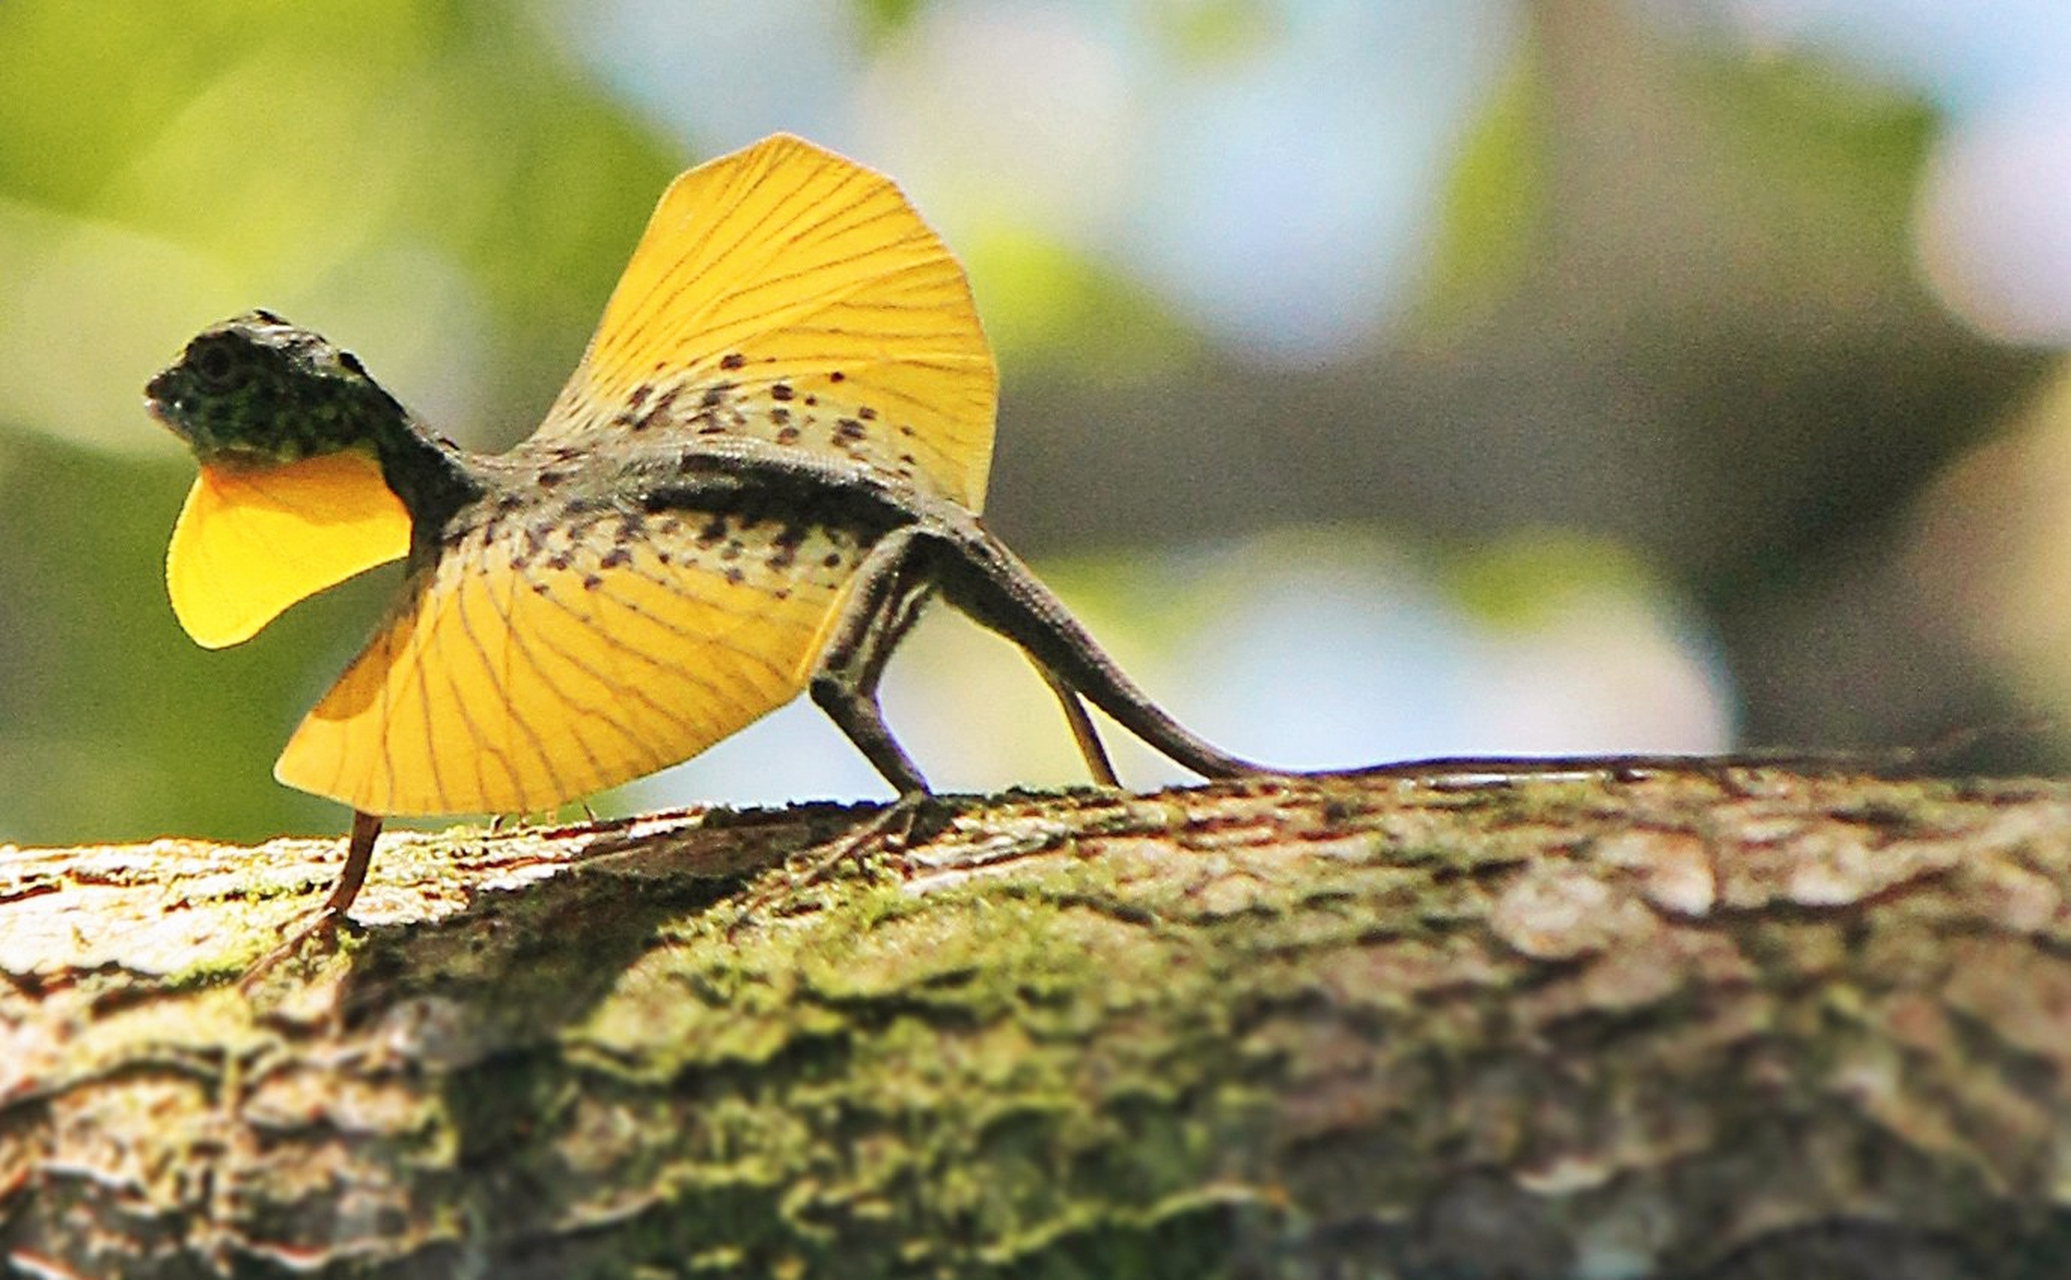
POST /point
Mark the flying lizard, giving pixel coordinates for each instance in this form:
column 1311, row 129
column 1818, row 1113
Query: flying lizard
column 772, row 454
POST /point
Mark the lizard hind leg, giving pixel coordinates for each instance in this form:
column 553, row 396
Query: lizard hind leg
column 881, row 607
column 1083, row 732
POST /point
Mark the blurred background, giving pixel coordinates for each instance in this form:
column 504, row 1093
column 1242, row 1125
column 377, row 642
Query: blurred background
column 1380, row 377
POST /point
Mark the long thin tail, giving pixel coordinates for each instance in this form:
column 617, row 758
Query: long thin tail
column 980, row 576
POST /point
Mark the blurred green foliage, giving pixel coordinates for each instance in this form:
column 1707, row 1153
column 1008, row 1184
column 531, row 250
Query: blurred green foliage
column 1492, row 208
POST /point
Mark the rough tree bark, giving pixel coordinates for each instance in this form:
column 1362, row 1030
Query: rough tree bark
column 1741, row 1023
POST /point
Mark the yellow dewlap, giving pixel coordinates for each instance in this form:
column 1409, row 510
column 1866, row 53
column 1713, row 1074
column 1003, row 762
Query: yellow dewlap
column 251, row 541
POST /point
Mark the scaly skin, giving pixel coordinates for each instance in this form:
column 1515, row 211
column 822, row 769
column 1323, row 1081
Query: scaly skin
column 257, row 391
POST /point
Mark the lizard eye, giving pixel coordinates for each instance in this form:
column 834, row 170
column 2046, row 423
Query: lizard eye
column 214, row 366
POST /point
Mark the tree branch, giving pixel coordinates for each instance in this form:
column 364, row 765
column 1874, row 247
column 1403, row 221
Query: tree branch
column 1734, row 1023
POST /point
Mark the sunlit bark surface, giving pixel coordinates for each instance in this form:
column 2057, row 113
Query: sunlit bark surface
column 1741, row 1023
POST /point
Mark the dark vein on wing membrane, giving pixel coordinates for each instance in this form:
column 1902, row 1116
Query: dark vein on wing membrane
column 515, row 648
column 767, row 320
column 604, row 714
column 775, row 242
column 688, row 728
column 385, row 756
column 641, row 332
column 933, row 271
column 715, row 637
column 505, row 611
column 424, row 633
column 475, row 733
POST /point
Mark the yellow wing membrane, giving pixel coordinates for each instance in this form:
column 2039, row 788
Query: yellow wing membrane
column 251, row 541
column 525, row 672
column 786, row 293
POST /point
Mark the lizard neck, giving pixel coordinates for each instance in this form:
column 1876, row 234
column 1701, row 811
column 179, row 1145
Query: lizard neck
column 432, row 477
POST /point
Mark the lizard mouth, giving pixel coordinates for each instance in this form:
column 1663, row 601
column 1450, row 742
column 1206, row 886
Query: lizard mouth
column 163, row 405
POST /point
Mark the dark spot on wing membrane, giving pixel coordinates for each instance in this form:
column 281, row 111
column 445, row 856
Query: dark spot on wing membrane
column 535, row 546
column 658, row 412
column 780, row 391
column 732, row 360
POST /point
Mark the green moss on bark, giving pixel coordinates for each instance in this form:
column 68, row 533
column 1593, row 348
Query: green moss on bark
column 1289, row 1027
